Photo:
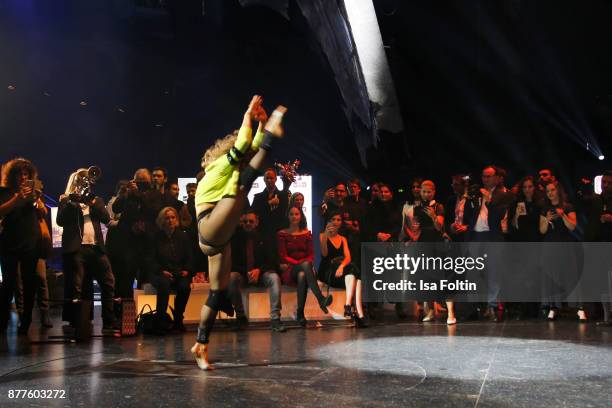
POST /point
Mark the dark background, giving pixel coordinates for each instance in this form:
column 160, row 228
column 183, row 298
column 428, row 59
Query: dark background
column 521, row 84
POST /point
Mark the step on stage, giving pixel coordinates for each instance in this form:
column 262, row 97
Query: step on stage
column 474, row 364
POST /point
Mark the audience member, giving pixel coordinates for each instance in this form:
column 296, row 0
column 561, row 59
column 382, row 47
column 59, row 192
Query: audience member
column 84, row 253
column 170, row 258
column 252, row 265
column 296, row 257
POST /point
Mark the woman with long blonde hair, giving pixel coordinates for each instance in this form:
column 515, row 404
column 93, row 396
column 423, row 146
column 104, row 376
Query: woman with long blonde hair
column 220, row 199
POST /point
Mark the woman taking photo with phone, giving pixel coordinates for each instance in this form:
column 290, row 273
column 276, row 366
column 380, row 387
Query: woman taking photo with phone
column 20, row 206
column 560, row 265
column 337, row 270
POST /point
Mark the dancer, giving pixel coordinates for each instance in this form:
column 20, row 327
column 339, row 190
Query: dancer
column 220, row 199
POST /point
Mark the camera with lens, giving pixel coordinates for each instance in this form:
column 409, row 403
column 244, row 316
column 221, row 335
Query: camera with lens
column 82, row 184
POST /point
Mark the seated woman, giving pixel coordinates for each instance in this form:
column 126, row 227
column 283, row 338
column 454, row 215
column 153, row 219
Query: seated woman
column 296, row 254
column 171, row 266
column 337, row 270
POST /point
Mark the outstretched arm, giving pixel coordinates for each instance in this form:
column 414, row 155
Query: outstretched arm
column 245, row 139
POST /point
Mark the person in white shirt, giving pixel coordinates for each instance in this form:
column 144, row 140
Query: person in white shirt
column 485, row 214
column 83, row 251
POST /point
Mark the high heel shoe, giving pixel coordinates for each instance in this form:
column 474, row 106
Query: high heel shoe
column 430, row 316
column 324, row 302
column 301, row 320
column 552, row 315
column 450, row 321
column 348, row 311
column 359, row 321
column 200, row 352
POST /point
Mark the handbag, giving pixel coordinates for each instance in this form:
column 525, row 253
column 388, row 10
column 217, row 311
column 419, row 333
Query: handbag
column 146, row 322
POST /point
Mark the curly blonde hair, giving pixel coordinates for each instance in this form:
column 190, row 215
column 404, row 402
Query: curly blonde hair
column 220, row 148
column 12, row 169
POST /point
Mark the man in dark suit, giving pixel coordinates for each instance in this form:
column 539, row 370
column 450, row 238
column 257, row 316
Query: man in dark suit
column 84, row 255
column 485, row 211
column 485, row 214
column 271, row 207
column 252, row 265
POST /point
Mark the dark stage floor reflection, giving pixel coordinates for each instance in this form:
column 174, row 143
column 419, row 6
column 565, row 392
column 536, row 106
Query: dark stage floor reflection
column 476, row 364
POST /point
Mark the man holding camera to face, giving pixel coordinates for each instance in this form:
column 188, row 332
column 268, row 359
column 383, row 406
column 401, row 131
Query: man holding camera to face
column 81, row 214
column 139, row 203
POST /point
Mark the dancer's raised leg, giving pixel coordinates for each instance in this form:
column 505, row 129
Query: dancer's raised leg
column 218, row 223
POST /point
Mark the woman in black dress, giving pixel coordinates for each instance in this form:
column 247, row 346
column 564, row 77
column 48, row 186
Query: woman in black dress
column 524, row 215
column 557, row 221
column 337, row 270
column 524, row 226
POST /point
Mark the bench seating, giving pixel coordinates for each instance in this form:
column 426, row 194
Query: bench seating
column 256, row 303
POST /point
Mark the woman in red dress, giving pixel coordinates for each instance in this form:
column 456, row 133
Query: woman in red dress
column 296, row 255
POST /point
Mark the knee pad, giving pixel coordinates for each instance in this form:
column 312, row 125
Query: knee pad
column 219, row 300
column 248, row 176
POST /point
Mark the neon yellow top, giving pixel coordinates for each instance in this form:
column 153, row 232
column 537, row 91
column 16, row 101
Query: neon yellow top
column 221, row 179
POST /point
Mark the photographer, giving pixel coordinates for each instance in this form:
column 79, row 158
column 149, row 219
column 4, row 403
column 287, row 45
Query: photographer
column 84, row 254
column 20, row 206
column 139, row 204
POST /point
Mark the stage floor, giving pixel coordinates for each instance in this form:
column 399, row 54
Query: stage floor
column 475, row 364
